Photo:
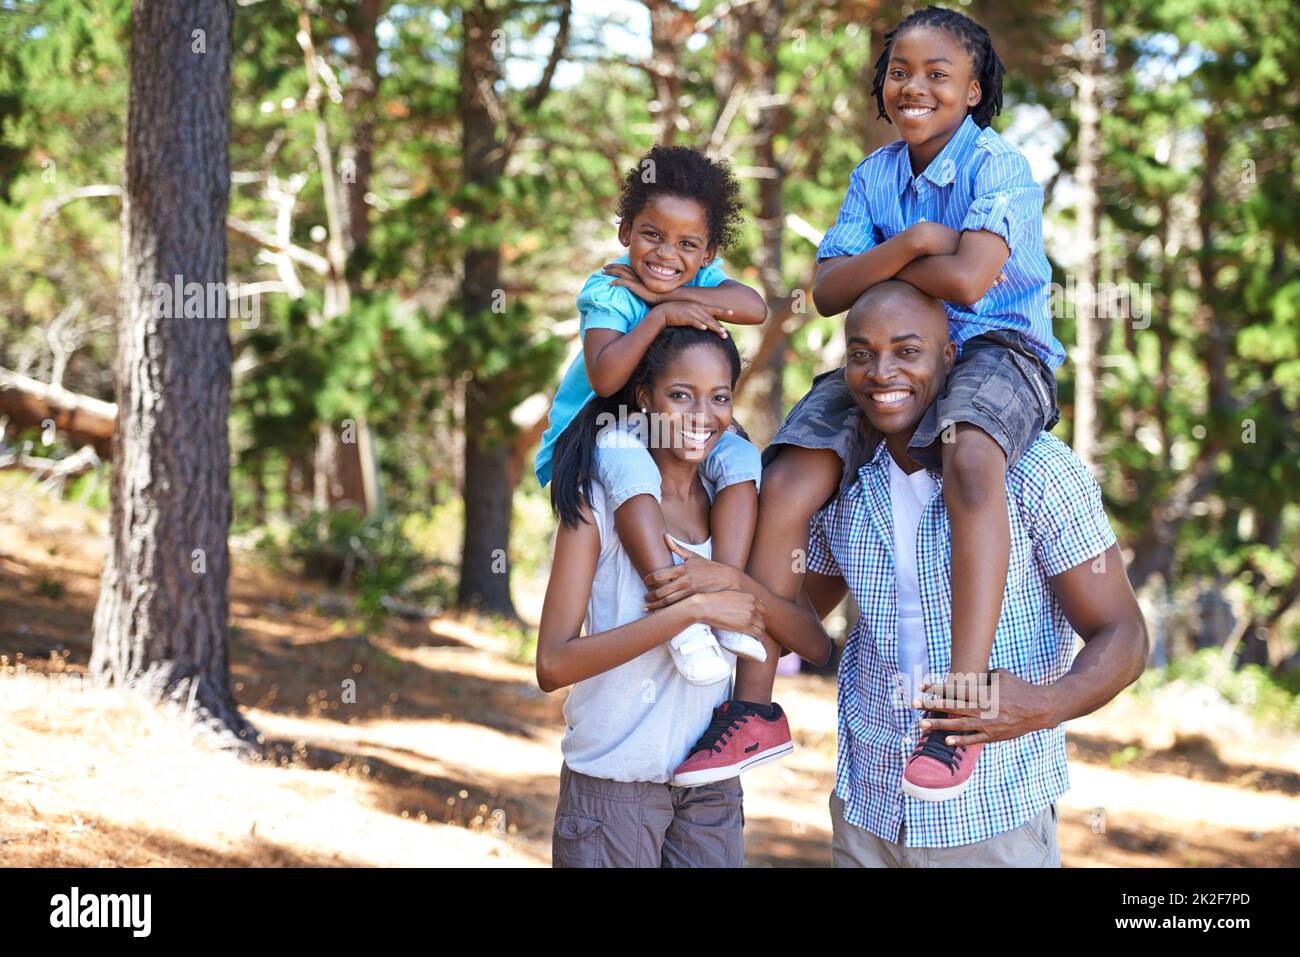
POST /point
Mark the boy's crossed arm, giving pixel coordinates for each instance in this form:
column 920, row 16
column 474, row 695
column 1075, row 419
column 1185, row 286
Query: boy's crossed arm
column 958, row 267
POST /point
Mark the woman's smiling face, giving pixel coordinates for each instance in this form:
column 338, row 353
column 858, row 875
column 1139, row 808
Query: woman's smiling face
column 929, row 87
column 690, row 403
column 667, row 241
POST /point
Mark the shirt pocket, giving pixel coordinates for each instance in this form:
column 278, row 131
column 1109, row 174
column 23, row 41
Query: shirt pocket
column 577, row 841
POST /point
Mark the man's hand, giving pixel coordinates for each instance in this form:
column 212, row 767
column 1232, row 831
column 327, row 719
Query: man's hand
column 1013, row 708
column 683, row 312
column 695, row 575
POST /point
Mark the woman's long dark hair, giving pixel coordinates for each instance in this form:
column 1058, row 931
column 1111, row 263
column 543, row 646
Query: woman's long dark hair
column 573, row 465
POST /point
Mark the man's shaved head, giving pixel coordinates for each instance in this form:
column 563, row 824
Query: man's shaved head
column 899, row 353
column 898, row 298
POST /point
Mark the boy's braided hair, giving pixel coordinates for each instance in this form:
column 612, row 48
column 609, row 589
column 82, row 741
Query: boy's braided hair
column 682, row 171
column 978, row 43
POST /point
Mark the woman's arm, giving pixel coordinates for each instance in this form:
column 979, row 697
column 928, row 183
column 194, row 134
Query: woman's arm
column 967, row 275
column 796, row 626
column 565, row 657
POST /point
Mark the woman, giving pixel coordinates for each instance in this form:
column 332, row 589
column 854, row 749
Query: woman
column 632, row 717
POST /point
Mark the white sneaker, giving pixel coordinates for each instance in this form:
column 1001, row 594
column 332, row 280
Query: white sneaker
column 697, row 656
column 742, row 645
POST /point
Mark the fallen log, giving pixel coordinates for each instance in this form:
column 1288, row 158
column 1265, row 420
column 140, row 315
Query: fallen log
column 81, row 419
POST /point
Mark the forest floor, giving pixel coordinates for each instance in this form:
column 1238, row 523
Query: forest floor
column 450, row 754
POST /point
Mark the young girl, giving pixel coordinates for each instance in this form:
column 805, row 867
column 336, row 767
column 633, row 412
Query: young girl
column 676, row 210
column 954, row 210
column 632, row 716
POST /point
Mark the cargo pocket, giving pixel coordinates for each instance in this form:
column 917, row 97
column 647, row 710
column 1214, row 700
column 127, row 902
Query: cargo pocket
column 1040, row 830
column 576, row 841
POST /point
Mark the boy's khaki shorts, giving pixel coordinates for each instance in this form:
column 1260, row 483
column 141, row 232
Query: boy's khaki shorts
column 601, row 823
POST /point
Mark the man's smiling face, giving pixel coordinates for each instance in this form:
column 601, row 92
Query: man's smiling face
column 899, row 354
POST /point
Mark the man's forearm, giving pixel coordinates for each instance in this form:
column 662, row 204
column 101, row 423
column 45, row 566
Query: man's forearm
column 1109, row 662
column 796, row 627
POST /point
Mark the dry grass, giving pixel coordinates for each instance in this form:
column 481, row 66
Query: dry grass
column 450, row 755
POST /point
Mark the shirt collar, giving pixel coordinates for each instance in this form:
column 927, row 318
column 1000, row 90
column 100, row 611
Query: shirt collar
column 877, row 467
column 943, row 168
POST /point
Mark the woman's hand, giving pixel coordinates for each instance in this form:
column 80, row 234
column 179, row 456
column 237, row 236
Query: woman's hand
column 685, row 312
column 695, row 575
column 731, row 610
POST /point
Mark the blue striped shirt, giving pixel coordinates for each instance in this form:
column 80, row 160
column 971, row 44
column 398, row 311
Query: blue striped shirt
column 978, row 181
column 1057, row 522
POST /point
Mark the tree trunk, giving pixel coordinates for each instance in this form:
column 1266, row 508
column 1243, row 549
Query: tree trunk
column 771, row 220
column 484, row 571
column 1086, row 323
column 163, row 607
column 345, row 470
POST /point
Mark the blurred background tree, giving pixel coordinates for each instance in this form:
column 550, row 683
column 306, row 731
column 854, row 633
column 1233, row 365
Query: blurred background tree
column 419, row 189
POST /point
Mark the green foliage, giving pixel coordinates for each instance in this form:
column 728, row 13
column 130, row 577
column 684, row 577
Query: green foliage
column 1272, row 697
column 370, row 554
column 1212, row 382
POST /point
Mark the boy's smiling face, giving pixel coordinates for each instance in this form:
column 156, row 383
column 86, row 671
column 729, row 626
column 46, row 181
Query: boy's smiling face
column 929, row 86
column 667, row 242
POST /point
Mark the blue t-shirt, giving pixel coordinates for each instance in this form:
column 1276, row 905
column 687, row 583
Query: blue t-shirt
column 600, row 306
column 978, row 181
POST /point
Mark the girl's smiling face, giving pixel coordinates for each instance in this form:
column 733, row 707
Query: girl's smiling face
column 667, row 242
column 689, row 403
column 929, row 87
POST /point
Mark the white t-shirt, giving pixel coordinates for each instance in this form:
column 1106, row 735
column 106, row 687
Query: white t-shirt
column 908, row 495
column 635, row 722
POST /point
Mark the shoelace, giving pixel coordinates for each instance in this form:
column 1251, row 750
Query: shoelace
column 932, row 745
column 723, row 723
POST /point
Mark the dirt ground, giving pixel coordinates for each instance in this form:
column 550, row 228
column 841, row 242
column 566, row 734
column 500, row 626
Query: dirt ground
column 450, row 753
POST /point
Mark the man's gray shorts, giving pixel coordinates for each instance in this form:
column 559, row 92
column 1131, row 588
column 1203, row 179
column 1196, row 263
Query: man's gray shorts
column 999, row 384
column 600, row 823
column 1032, row 844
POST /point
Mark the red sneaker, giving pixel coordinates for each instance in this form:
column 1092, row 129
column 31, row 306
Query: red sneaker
column 737, row 739
column 938, row 771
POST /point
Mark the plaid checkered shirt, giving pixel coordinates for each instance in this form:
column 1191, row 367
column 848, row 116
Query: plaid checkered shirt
column 1057, row 522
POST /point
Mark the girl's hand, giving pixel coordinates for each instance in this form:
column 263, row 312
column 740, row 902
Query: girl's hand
column 732, row 610
column 684, row 312
column 697, row 574
column 934, row 239
column 626, row 277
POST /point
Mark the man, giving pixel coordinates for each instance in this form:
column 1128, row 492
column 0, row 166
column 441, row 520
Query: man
column 886, row 539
